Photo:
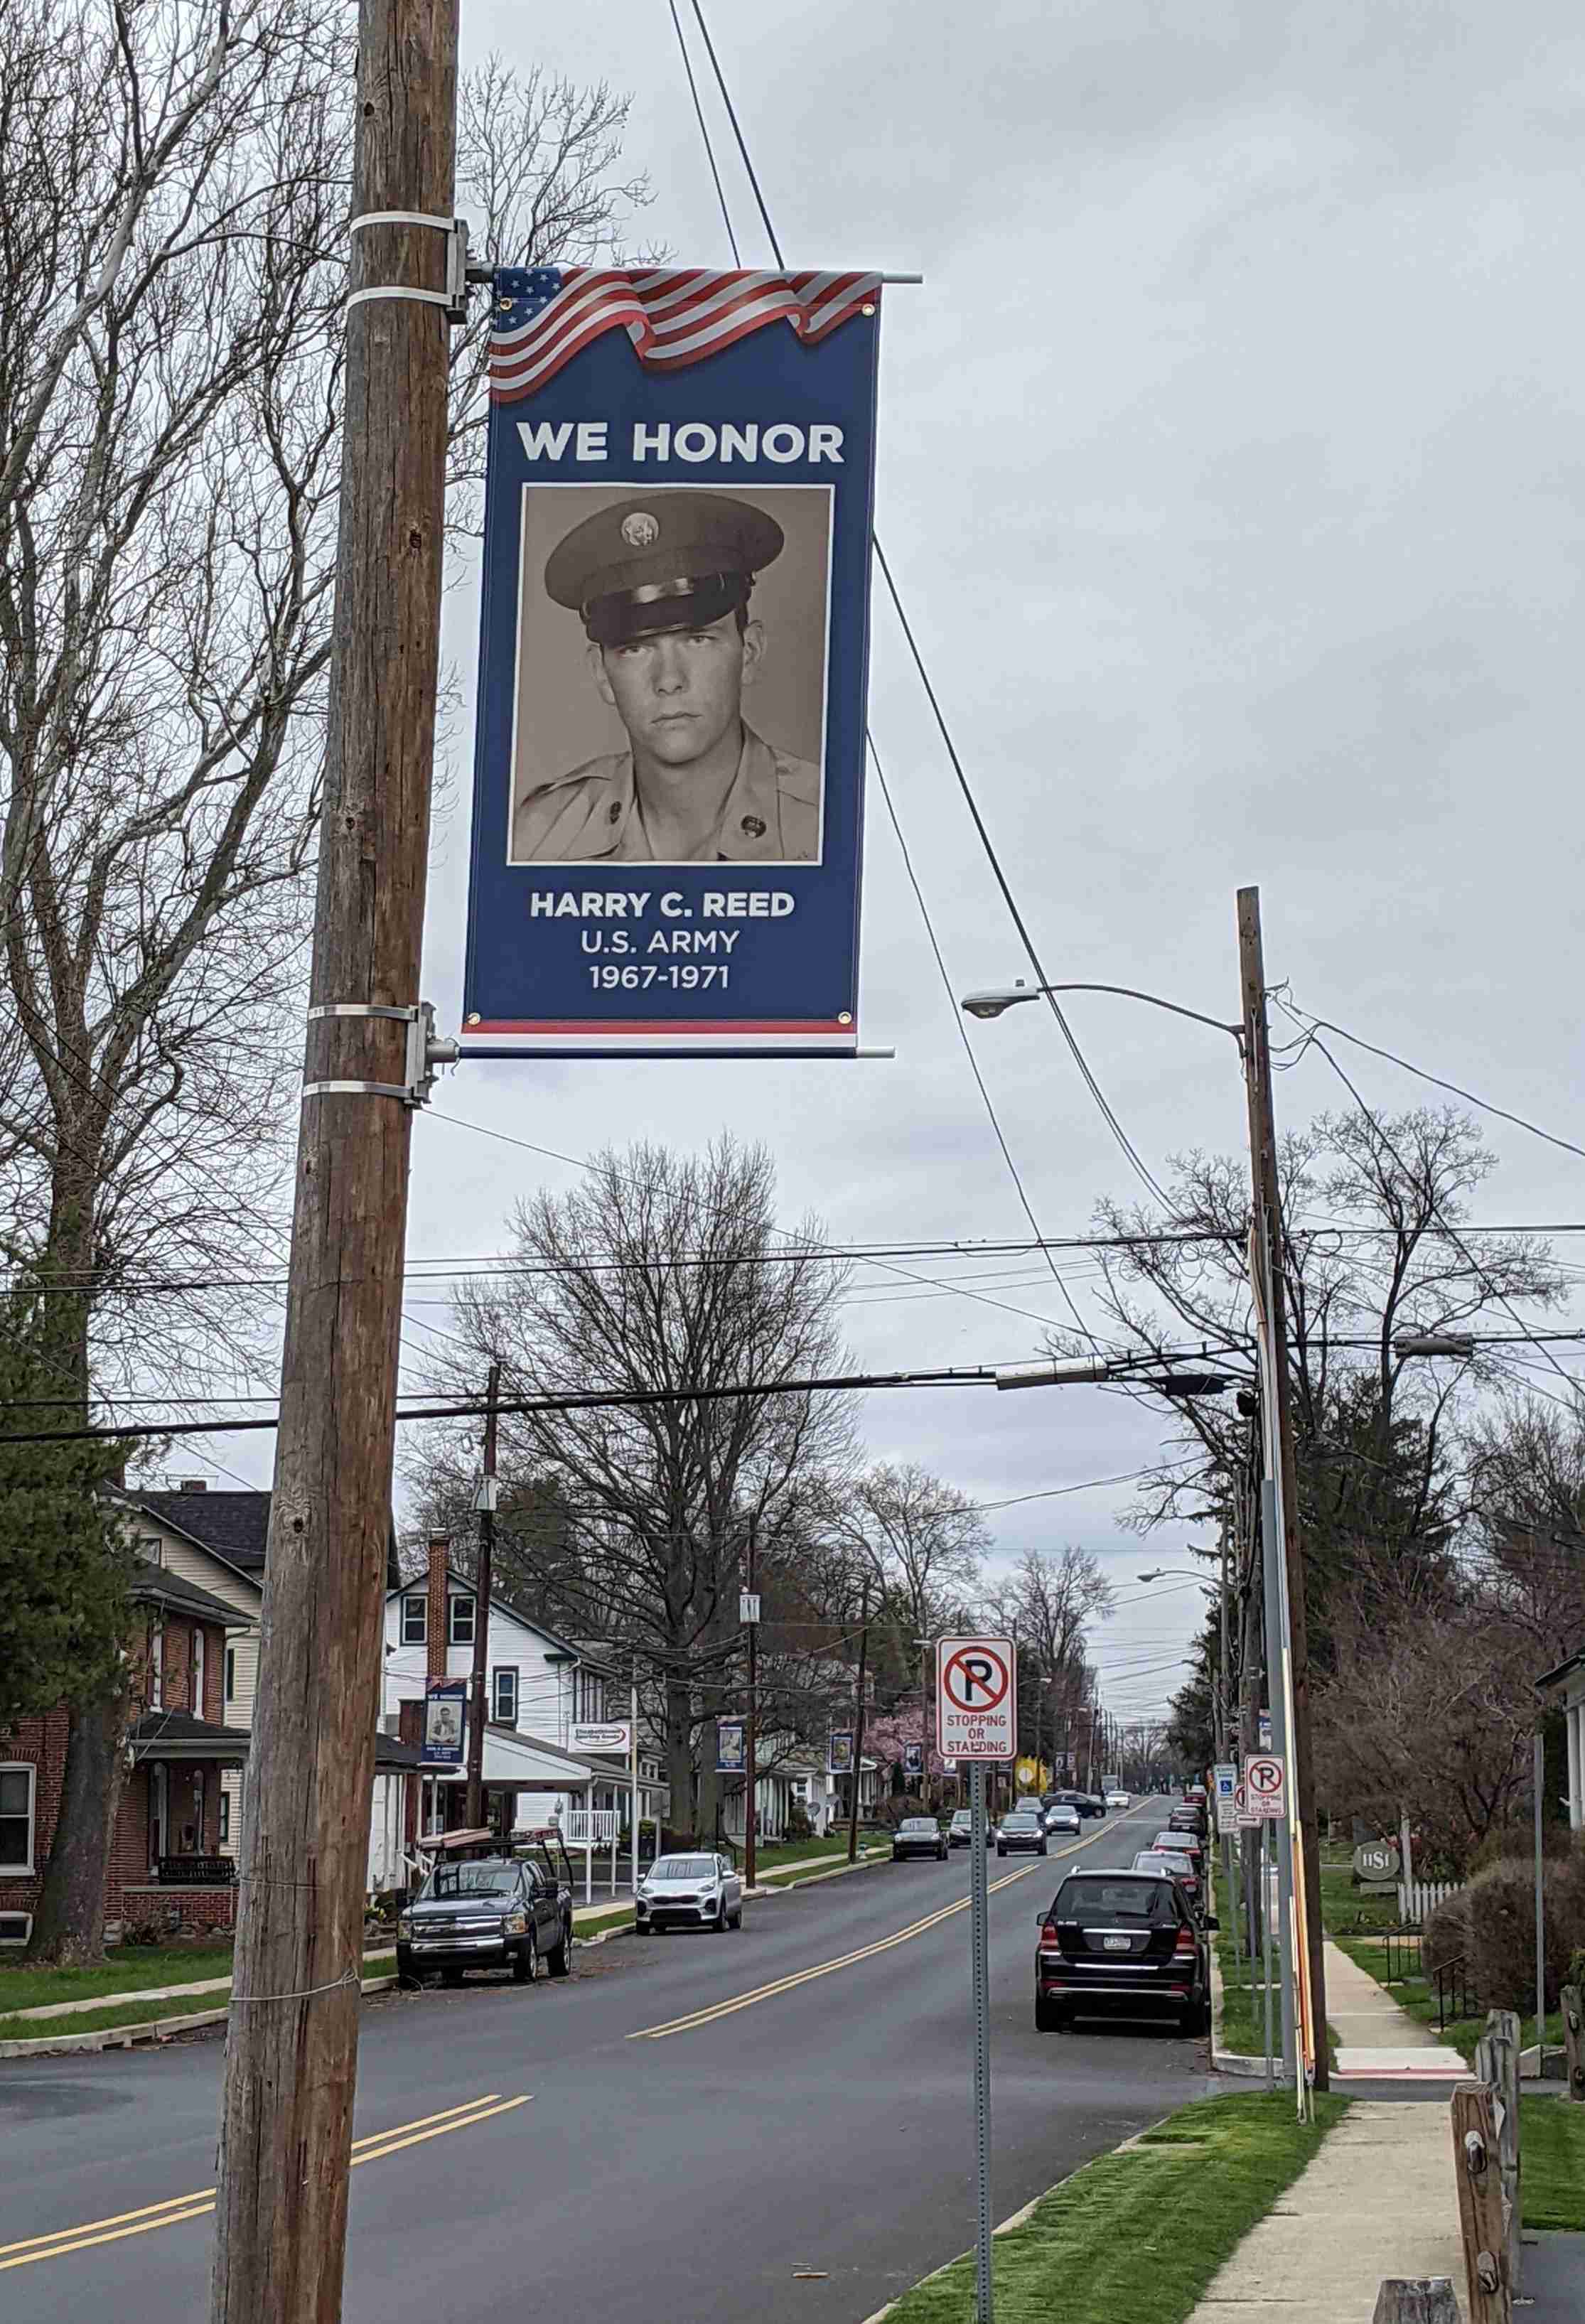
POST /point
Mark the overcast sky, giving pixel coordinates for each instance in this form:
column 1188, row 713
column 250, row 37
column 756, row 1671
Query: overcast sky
column 1229, row 467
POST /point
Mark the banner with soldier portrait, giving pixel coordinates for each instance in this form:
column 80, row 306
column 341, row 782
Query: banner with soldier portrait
column 668, row 770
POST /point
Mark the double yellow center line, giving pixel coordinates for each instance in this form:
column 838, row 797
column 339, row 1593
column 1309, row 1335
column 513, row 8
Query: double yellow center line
column 176, row 2208
column 843, row 1960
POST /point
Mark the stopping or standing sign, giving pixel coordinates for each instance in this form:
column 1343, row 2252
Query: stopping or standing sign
column 976, row 1698
column 1264, row 1781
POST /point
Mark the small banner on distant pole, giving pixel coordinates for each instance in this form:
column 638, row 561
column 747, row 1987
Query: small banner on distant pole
column 731, row 1756
column 839, row 1759
column 446, row 1719
column 669, row 760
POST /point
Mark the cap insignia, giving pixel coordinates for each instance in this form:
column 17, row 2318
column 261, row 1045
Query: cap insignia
column 640, row 530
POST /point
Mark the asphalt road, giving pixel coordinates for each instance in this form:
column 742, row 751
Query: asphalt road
column 676, row 2130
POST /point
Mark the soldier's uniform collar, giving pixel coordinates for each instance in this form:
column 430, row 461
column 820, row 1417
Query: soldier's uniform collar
column 747, row 829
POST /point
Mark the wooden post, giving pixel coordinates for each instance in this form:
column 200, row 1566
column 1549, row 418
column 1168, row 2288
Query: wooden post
column 1268, row 1218
column 1497, row 2061
column 859, row 1728
column 1480, row 2220
column 292, row 2051
column 478, row 1707
column 1573, row 2009
column 1416, row 2299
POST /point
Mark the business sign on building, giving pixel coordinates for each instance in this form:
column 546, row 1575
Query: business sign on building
column 446, row 1722
column 609, row 1735
column 668, row 767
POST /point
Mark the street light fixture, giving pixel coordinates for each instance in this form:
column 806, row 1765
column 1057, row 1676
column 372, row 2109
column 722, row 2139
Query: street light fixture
column 1055, row 1374
column 986, row 1005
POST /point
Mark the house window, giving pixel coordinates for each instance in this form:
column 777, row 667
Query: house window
column 150, row 1548
column 231, row 1674
column 156, row 1665
column 415, row 1620
column 198, row 1673
column 503, row 1695
column 16, row 1819
column 462, row 1622
column 224, row 1817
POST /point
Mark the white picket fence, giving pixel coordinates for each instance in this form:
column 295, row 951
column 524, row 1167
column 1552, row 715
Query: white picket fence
column 1417, row 1899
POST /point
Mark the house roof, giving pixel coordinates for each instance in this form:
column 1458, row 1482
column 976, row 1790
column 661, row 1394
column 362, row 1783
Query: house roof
column 178, row 1735
column 391, row 1751
column 233, row 1527
column 1564, row 1670
column 152, row 1585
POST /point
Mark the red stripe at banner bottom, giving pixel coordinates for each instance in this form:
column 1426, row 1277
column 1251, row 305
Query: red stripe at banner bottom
column 682, row 1027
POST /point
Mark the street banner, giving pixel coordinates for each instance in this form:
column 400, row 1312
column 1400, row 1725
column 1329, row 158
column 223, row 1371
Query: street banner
column 732, row 1756
column 913, row 1758
column 839, row 1758
column 668, row 761
column 446, row 1719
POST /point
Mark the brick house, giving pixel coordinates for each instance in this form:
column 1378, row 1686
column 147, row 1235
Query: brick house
column 165, row 1863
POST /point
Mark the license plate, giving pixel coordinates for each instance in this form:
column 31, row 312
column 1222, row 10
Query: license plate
column 1115, row 1944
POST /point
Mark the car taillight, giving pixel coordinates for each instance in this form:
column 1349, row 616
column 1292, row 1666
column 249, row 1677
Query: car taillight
column 1186, row 1943
column 1048, row 1932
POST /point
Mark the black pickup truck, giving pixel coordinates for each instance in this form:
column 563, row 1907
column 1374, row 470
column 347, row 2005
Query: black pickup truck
column 488, row 1907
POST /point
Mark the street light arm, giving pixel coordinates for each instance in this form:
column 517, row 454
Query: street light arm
column 991, row 1005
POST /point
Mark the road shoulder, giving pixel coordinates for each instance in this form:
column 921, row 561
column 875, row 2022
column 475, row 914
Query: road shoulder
column 1141, row 2231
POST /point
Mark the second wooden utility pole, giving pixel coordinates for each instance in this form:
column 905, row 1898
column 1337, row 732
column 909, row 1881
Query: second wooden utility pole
column 292, row 2049
column 859, row 1728
column 1267, row 1195
column 478, row 1705
column 751, row 1779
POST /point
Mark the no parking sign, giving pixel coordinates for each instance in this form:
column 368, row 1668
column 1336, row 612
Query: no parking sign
column 976, row 1698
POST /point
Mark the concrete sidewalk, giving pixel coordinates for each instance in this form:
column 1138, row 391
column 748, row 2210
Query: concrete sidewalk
column 1379, row 2199
column 1375, row 2037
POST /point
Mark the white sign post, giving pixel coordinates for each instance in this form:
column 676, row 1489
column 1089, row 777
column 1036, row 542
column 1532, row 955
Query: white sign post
column 1265, row 1782
column 977, row 1721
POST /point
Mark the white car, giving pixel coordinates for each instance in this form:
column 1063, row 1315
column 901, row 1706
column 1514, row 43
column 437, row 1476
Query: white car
column 690, row 1892
column 1117, row 1799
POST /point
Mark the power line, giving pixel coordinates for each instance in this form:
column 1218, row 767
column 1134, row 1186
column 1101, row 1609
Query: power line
column 1421, row 1073
column 957, row 1016
column 688, row 66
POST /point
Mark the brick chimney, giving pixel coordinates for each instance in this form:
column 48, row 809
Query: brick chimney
column 439, row 1550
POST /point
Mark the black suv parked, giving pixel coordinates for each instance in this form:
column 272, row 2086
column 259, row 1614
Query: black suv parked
column 1122, row 1943
column 497, row 1912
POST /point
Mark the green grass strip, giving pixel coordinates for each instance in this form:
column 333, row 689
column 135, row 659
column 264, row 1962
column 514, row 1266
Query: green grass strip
column 1552, row 2156
column 1139, row 2234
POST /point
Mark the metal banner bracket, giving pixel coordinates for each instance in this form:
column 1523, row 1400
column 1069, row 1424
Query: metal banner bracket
column 459, row 276
column 425, row 1054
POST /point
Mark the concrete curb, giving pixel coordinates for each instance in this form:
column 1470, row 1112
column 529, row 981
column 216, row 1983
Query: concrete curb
column 152, row 2029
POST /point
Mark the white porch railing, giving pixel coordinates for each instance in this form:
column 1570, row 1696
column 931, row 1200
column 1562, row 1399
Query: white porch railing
column 591, row 1827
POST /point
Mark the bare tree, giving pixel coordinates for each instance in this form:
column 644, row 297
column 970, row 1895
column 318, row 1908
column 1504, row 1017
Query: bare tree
column 659, row 1275
column 1366, row 1204
column 174, row 179
column 1050, row 1601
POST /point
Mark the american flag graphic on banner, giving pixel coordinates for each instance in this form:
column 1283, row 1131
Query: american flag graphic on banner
column 673, row 315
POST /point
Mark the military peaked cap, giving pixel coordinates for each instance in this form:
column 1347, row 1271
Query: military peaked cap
column 663, row 560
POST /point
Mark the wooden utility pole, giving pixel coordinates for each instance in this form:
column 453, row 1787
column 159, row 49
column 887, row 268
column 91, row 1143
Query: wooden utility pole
column 1268, row 1219
column 751, row 1802
column 292, row 2051
column 859, row 1727
column 478, row 1706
